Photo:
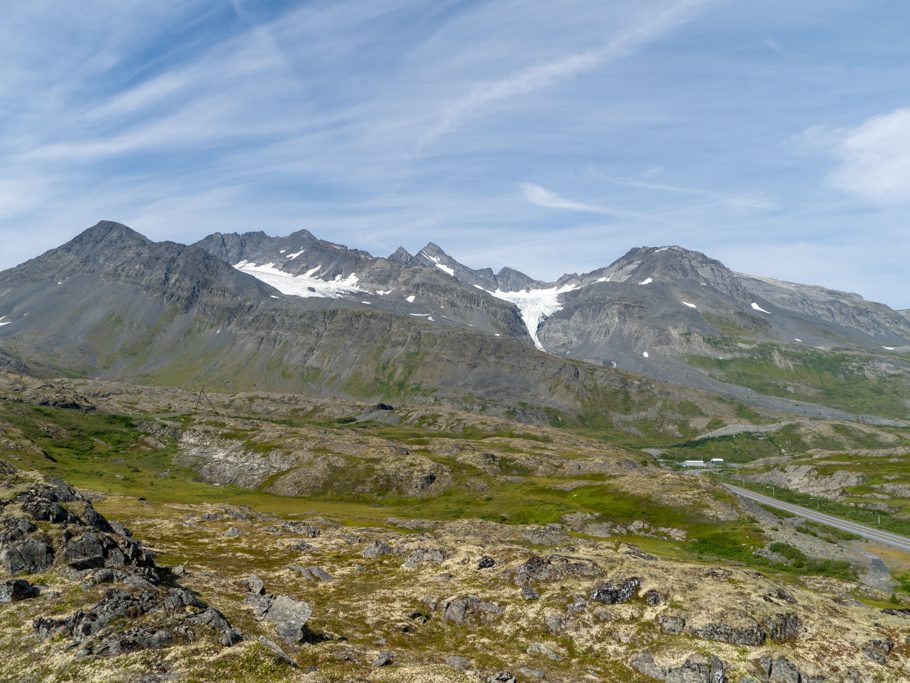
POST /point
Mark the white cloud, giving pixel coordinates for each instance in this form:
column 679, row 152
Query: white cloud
column 541, row 196
column 874, row 158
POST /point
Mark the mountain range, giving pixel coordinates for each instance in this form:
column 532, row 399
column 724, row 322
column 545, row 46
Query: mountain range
column 297, row 313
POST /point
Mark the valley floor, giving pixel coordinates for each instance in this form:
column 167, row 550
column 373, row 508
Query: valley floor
column 344, row 543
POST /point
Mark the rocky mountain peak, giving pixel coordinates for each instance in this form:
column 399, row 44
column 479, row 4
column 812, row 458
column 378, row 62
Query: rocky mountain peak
column 303, row 235
column 402, row 256
column 676, row 265
column 105, row 235
column 433, row 255
column 433, row 249
column 511, row 280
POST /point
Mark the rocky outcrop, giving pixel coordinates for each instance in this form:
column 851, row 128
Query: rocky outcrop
column 736, row 628
column 616, row 592
column 537, row 569
column 468, row 609
column 376, row 549
column 139, row 613
column 806, row 479
column 878, row 650
column 166, row 617
column 697, row 668
column 782, row 627
column 780, row 669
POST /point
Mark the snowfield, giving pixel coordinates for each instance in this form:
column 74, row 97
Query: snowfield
column 306, row 285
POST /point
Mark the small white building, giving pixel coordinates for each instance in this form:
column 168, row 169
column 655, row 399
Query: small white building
column 717, row 461
column 693, row 463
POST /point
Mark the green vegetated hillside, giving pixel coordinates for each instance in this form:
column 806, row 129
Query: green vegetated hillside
column 851, row 380
column 493, row 470
column 788, row 439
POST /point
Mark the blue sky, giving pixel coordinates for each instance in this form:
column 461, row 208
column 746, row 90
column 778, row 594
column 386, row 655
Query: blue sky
column 548, row 136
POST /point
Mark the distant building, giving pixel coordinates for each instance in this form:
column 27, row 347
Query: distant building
column 694, row 463
column 717, row 461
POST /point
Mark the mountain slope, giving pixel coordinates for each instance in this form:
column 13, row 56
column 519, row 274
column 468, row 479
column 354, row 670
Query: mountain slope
column 305, row 266
column 140, row 311
column 298, row 313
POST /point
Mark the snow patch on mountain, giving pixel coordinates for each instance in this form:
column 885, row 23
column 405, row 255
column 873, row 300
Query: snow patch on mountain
column 756, row 307
column 306, row 285
column 437, row 262
column 686, row 303
column 647, row 281
column 4, row 321
column 535, row 305
column 410, row 299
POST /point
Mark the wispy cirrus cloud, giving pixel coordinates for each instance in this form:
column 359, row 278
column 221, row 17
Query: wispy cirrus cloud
column 736, row 202
column 647, row 28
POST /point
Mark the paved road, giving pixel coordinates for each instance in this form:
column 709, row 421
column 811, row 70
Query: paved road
column 867, row 532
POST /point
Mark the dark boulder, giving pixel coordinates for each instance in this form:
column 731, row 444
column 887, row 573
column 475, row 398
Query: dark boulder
column 46, row 509
column 782, row 627
column 376, row 549
column 671, row 624
column 382, row 659
column 290, row 618
column 130, row 641
column 779, row 670
column 616, row 592
column 87, row 551
column 698, row 668
column 748, row 632
column 653, row 597
column 231, row 637
column 255, row 585
column 27, row 557
column 468, row 608
column 486, row 562
column 554, row 568
column 17, row 589
column 14, row 528
column 644, row 664
column 878, row 650
column 95, row 519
